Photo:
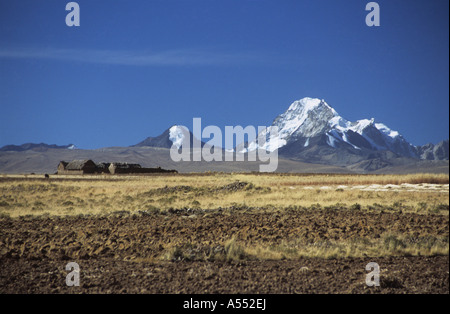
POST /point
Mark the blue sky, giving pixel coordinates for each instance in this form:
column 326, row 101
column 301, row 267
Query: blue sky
column 134, row 68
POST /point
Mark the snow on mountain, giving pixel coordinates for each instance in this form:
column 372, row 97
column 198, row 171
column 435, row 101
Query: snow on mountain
column 310, row 117
column 390, row 133
column 331, row 140
column 176, row 135
column 273, row 140
column 306, row 143
column 306, row 117
column 311, row 130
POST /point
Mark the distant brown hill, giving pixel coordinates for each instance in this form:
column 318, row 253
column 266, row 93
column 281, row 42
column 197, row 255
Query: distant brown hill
column 46, row 161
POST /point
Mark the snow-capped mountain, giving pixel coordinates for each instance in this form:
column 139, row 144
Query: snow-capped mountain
column 308, row 119
column 172, row 136
column 310, row 130
column 177, row 135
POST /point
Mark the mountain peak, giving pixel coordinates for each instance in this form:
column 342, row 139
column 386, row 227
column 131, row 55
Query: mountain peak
column 313, row 117
column 306, row 117
column 158, row 141
column 312, row 130
column 306, row 103
column 176, row 135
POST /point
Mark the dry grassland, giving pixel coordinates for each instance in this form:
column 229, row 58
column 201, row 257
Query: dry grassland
column 334, row 197
column 94, row 195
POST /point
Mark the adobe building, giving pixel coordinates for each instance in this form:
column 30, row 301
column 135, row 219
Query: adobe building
column 89, row 167
column 123, row 167
column 77, row 167
column 102, row 167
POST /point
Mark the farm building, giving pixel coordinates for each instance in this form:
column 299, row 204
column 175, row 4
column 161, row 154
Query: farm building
column 102, row 167
column 117, row 167
column 77, row 167
column 62, row 166
column 88, row 166
column 123, row 167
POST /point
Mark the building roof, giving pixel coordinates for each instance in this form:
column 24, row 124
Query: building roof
column 125, row 165
column 78, row 164
column 102, row 165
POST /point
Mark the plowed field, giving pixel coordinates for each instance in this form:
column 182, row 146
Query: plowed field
column 188, row 251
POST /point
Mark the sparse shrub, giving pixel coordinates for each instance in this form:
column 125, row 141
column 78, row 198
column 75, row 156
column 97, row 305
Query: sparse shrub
column 393, row 243
column 233, row 250
column 80, row 201
column 173, row 254
column 195, row 204
column 128, row 198
column 249, row 186
column 121, row 213
column 378, row 207
column 316, row 206
column 340, row 206
column 355, row 206
column 4, row 204
column 150, row 209
column 422, row 206
column 440, row 207
column 361, row 241
column 67, row 203
column 397, row 204
column 167, row 200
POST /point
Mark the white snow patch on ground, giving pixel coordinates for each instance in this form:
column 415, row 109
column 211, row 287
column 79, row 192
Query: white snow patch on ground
column 405, row 187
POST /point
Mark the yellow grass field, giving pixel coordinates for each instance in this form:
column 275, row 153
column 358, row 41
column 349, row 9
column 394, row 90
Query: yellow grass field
column 74, row 195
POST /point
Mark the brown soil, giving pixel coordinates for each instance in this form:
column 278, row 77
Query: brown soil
column 402, row 275
column 121, row 253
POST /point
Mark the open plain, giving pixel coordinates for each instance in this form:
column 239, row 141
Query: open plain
column 224, row 233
